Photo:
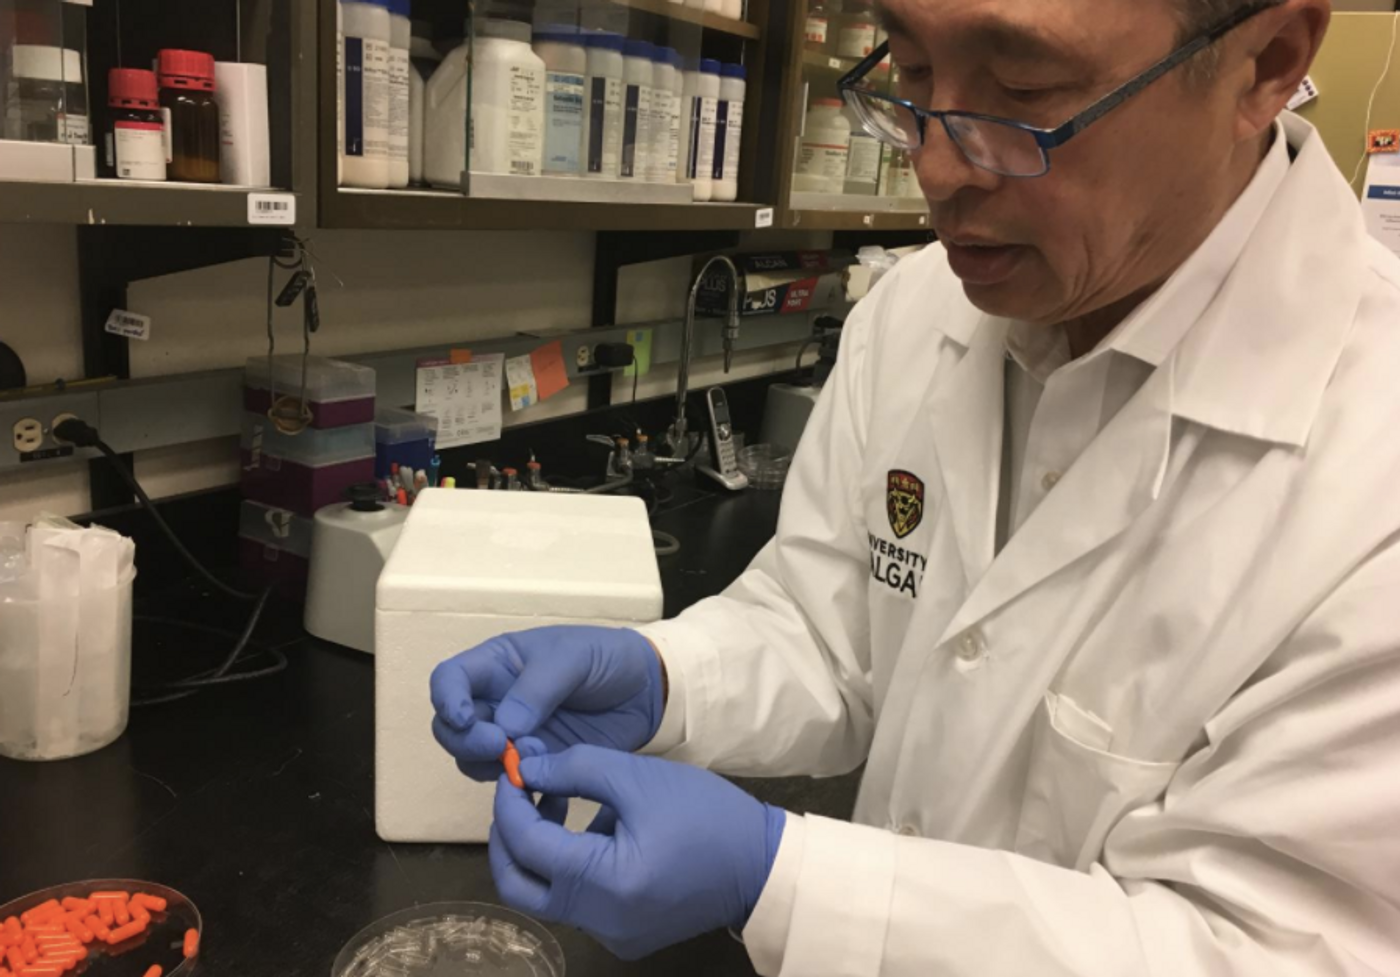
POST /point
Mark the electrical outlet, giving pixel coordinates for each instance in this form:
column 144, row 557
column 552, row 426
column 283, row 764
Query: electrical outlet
column 53, row 427
column 29, row 435
column 584, row 357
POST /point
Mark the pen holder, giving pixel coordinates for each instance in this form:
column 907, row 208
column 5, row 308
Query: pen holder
column 65, row 667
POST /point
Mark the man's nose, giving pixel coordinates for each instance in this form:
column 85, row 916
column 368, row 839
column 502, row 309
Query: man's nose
column 943, row 169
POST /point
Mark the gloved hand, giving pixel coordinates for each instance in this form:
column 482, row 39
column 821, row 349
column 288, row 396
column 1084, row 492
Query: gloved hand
column 558, row 685
column 676, row 851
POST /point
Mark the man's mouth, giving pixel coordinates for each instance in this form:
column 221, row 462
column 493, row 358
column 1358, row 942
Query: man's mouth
column 979, row 261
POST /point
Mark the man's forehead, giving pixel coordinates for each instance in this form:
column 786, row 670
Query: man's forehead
column 1029, row 29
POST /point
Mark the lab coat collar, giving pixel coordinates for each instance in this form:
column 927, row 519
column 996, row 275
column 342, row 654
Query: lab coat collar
column 1259, row 359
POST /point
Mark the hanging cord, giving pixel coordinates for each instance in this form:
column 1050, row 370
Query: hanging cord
column 1370, row 105
column 85, row 436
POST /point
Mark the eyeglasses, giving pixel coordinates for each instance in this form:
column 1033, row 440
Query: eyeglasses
column 1004, row 146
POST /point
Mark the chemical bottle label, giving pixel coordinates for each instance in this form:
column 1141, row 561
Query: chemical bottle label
column 856, row 41
column 816, row 30
column 863, row 163
column 139, row 150
column 525, row 118
column 606, row 127
column 709, row 121
column 354, row 97
column 721, row 137
column 398, row 104
column 673, row 145
column 563, row 121
column 732, row 141
column 693, row 156
column 636, row 110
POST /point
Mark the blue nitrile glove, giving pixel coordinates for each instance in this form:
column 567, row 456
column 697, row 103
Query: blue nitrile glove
column 675, row 852
column 559, row 685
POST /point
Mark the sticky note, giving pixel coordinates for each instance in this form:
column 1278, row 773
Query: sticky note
column 640, row 340
column 520, row 382
column 461, row 356
column 551, row 376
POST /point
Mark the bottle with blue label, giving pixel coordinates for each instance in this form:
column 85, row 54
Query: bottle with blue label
column 561, row 49
column 602, row 122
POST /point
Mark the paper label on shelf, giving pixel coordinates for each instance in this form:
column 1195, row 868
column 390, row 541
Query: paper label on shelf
column 132, row 325
column 464, row 397
column 272, row 208
column 520, row 381
column 563, row 121
column 547, row 363
column 763, row 217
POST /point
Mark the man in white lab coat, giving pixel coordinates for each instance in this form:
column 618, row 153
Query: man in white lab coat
column 1091, row 552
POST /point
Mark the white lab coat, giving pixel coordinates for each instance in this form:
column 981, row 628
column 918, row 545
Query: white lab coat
column 1159, row 733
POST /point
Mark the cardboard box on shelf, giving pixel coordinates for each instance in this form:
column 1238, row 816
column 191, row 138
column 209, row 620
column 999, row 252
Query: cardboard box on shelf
column 779, row 283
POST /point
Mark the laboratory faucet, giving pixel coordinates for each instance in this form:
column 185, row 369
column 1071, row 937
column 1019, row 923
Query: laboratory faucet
column 677, row 442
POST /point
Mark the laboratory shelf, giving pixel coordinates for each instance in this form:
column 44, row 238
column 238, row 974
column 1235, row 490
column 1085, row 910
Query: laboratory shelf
column 131, row 203
column 842, row 212
column 434, row 210
column 689, row 15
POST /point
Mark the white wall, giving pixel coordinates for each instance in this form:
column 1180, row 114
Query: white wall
column 401, row 290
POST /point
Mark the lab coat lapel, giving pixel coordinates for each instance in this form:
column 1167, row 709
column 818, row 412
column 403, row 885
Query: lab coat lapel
column 1115, row 480
column 965, row 417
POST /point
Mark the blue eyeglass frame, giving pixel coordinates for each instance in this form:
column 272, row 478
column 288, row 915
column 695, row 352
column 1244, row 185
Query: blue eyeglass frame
column 1046, row 139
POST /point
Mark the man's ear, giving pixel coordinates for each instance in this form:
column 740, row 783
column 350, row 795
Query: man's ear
column 1281, row 49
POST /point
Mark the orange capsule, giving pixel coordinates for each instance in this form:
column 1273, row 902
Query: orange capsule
column 155, row 971
column 154, row 903
column 45, row 929
column 104, row 912
column 191, row 942
column 111, row 894
column 75, row 926
column 41, row 912
column 123, row 933
column 140, row 912
column 99, row 928
column 48, row 941
column 120, row 912
column 4, row 972
column 43, row 970
column 16, row 958
column 74, row 905
column 10, row 939
column 511, row 760
column 27, row 947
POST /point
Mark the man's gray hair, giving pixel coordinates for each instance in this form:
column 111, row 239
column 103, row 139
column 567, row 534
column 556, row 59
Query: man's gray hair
column 1197, row 16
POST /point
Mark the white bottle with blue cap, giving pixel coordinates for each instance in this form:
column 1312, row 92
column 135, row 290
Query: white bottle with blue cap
column 729, row 131
column 602, row 124
column 665, row 115
column 400, row 39
column 638, row 77
column 702, row 86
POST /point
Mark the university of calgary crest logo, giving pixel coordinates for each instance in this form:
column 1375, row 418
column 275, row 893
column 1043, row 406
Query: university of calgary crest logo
column 904, row 499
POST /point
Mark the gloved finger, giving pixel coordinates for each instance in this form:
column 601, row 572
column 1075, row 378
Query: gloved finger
column 541, row 847
column 552, row 808
column 481, row 772
column 531, row 746
column 544, row 683
column 479, row 742
column 591, row 772
column 604, row 822
column 481, row 672
column 518, row 888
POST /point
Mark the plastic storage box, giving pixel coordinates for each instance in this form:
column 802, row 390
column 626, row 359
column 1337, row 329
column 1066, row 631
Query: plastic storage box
column 304, row 472
column 274, row 544
column 338, row 393
column 402, row 437
column 467, row 567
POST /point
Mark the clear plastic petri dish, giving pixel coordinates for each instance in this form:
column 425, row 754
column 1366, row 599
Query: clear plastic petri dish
column 445, row 939
column 162, row 942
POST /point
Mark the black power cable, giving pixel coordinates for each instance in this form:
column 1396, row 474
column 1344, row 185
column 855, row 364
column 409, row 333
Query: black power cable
column 83, row 435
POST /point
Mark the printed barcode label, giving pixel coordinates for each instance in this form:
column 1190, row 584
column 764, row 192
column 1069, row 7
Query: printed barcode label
column 272, row 208
column 129, row 324
column 763, row 218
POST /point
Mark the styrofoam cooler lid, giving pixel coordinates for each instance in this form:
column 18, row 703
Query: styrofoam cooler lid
column 327, row 380
column 524, row 554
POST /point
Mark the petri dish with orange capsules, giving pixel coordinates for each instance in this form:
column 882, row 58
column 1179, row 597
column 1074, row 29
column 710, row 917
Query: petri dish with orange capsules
column 447, row 939
column 103, row 927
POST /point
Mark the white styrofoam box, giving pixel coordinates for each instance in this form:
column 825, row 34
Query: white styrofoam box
column 469, row 566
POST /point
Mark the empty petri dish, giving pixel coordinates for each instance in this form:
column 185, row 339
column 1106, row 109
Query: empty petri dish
column 161, row 943
column 447, row 939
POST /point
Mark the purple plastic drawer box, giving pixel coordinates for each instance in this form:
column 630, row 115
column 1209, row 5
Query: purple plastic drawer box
column 337, row 393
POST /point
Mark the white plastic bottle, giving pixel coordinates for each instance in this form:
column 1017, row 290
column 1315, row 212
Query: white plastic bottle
column 663, row 93
column 674, row 156
column 400, row 114
column 856, row 38
column 704, row 112
column 823, row 149
column 862, row 161
column 445, row 120
column 367, row 35
column 566, row 66
column 638, row 78
column 507, row 101
column 423, row 61
column 602, row 124
column 729, row 131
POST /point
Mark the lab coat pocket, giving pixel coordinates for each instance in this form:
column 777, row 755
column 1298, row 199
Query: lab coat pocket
column 1076, row 791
